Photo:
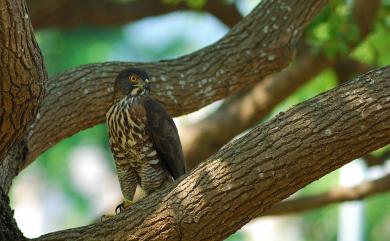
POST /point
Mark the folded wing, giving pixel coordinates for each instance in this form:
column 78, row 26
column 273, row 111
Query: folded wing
column 165, row 137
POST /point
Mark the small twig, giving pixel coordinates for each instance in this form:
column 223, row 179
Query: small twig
column 340, row 194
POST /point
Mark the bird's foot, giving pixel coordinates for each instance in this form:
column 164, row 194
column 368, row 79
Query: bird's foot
column 124, row 205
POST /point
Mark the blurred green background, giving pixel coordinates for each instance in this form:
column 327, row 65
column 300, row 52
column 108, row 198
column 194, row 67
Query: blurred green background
column 74, row 182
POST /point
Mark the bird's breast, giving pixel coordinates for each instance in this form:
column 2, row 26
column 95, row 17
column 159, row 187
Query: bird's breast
column 128, row 136
column 126, row 123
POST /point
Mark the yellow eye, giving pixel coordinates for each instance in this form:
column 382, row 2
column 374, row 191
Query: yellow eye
column 132, row 79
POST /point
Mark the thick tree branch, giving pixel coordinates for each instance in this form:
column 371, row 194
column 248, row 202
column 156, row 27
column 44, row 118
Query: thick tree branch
column 337, row 195
column 241, row 112
column 73, row 13
column 261, row 168
column 260, row 44
column 22, row 79
column 22, row 74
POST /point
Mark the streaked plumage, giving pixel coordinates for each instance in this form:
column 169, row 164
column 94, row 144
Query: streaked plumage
column 143, row 137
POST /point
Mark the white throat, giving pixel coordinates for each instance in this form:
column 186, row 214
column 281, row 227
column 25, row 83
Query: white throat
column 137, row 92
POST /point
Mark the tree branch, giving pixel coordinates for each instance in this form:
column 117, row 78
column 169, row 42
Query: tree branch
column 337, row 195
column 78, row 98
column 22, row 74
column 74, row 13
column 241, row 112
column 22, row 80
column 8, row 228
column 261, row 168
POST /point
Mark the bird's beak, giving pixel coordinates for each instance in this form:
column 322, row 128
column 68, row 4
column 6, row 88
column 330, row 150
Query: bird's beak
column 145, row 85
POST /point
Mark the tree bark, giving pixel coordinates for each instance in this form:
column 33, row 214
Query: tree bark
column 263, row 167
column 8, row 227
column 22, row 74
column 74, row 13
column 22, row 79
column 260, row 44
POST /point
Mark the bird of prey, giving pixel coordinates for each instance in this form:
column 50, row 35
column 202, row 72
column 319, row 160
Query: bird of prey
column 143, row 137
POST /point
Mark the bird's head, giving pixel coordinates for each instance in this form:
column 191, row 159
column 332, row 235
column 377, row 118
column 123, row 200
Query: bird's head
column 131, row 81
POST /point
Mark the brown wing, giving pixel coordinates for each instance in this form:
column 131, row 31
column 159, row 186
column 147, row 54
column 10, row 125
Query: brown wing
column 166, row 140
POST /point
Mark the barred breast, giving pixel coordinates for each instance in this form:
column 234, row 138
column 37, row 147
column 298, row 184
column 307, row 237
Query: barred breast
column 132, row 147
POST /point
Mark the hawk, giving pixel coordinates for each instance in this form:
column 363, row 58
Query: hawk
column 143, row 137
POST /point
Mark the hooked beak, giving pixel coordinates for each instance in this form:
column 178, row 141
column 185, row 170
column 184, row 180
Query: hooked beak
column 144, row 85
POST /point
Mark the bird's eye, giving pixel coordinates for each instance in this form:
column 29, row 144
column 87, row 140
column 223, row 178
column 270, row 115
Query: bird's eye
column 132, row 79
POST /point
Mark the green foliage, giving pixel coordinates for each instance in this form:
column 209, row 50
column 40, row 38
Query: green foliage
column 238, row 236
column 195, row 4
column 65, row 49
column 55, row 165
column 321, row 224
column 334, row 30
column 375, row 50
column 378, row 218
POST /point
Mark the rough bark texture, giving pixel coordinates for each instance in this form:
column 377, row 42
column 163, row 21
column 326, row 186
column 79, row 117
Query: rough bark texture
column 337, row 195
column 22, row 74
column 8, row 227
column 260, row 44
column 74, row 13
column 250, row 174
column 22, row 79
column 241, row 112
column 10, row 165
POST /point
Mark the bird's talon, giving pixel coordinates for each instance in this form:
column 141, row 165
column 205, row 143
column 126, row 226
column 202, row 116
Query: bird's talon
column 124, row 205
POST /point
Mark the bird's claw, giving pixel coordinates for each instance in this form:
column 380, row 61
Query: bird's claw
column 124, row 205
